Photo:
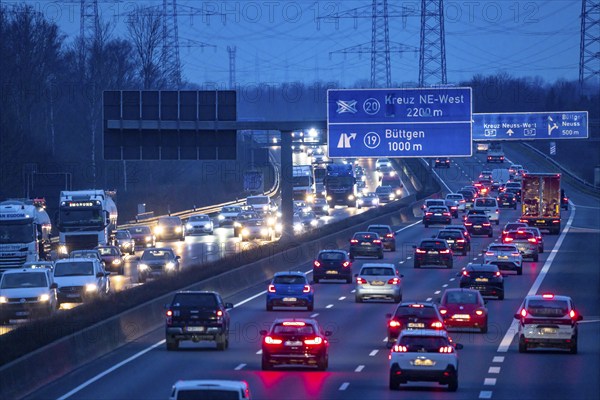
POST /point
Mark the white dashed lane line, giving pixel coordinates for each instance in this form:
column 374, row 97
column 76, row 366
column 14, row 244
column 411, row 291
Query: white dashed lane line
column 485, row 394
column 452, row 279
column 342, row 298
column 241, row 366
column 359, row 368
column 329, row 306
column 314, row 315
column 494, row 370
column 489, row 381
column 373, row 353
column 259, row 352
column 498, row 359
column 344, row 385
column 428, row 299
column 437, row 292
column 445, row 285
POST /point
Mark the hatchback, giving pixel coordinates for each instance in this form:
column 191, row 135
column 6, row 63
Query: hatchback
column 290, row 289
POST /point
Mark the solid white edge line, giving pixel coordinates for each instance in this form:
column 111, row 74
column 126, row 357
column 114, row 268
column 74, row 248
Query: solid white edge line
column 408, row 226
column 513, row 329
column 249, row 299
column 111, row 369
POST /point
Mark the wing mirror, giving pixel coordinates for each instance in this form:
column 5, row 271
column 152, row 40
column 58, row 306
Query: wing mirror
column 228, row 306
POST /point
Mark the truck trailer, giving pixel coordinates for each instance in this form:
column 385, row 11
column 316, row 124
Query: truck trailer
column 540, row 201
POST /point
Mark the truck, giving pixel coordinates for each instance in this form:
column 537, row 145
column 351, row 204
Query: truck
column 86, row 219
column 495, row 153
column 319, row 173
column 340, row 185
column 303, row 183
column 24, row 233
column 540, row 201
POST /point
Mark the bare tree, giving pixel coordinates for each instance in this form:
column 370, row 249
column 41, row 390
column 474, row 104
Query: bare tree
column 145, row 32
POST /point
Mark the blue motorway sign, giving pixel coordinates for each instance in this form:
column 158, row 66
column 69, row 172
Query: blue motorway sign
column 530, row 126
column 424, row 122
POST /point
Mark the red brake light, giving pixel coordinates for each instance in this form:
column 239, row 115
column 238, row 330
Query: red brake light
column 317, row 264
column 394, row 324
column 443, row 311
column 532, row 240
column 360, row 281
column 446, row 349
column 353, row 240
column 548, row 296
column 520, row 231
column 169, row 313
column 271, row 340
column 377, row 241
column 317, row 340
column 428, row 213
column 219, row 313
column 572, row 314
column 389, row 235
column 460, row 240
column 416, row 305
column 523, row 313
column 465, row 273
column 489, row 253
column 306, row 289
column 515, row 254
column 394, row 281
column 346, row 264
column 498, row 273
column 419, row 251
column 294, row 323
column 437, row 325
column 271, row 288
column 508, row 239
column 468, row 223
column 447, row 251
column 486, row 224
column 400, row 349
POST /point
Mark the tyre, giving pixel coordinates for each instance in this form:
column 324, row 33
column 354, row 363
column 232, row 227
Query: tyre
column 380, row 255
column 323, row 363
column 311, row 306
column 269, row 307
column 490, row 234
column 484, row 328
column 453, row 384
column 265, row 364
column 522, row 345
column 352, row 256
column 222, row 342
column 426, row 225
column 397, row 299
column 515, row 207
column 501, row 296
column 497, row 222
column 172, row 344
column 394, row 382
column 464, row 253
column 316, row 280
column 573, row 348
column 348, row 280
column 358, row 299
column 536, row 257
column 416, row 264
column 520, row 271
column 541, row 250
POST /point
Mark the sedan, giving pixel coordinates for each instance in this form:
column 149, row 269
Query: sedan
column 366, row 244
column 142, row 236
column 332, row 264
column 456, row 239
column 486, row 278
column 387, row 235
column 296, row 341
column 369, row 199
column 479, row 225
column 464, row 308
column 437, row 215
column 442, row 162
column 124, row 240
column 433, row 251
column 412, row 315
column 228, row 215
column 319, row 206
column 378, row 281
column 525, row 241
column 505, row 256
column 290, row 289
column 157, row 261
column 511, row 226
column 113, row 258
column 538, row 235
column 200, row 223
column 507, row 200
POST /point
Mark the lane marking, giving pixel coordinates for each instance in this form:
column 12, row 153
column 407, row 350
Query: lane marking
column 489, row 382
column 408, row 258
column 353, row 291
column 428, row 299
column 452, row 279
column 589, row 321
column 329, row 306
column 445, row 285
column 437, row 292
column 344, row 386
column 408, row 226
column 485, row 394
column 498, row 359
column 249, row 299
column 314, row 315
column 401, row 262
column 259, row 352
column 513, row 329
column 342, row 298
column 359, row 368
column 494, row 370
column 385, row 339
column 373, row 353
column 239, row 367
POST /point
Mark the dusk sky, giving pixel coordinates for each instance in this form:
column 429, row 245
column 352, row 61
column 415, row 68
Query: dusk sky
column 283, row 40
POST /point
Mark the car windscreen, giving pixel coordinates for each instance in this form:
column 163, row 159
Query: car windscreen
column 73, row 268
column 456, row 297
column 467, row 194
column 201, row 300
column 123, row 235
column 383, row 189
column 24, row 280
column 140, row 230
column 153, row 255
column 84, row 254
column 548, row 308
column 289, row 280
column 200, row 218
column 231, row 210
column 370, row 271
column 208, row 394
column 107, row 251
column 169, row 221
column 332, row 256
column 293, row 329
column 433, row 245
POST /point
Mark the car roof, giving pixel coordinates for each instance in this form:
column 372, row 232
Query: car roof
column 23, row 270
column 211, row 384
column 79, row 259
column 378, row 265
column 333, row 251
column 540, row 297
column 310, row 321
column 158, row 249
column 295, row 273
column 378, row 226
column 196, row 292
column 482, row 267
column 424, row 332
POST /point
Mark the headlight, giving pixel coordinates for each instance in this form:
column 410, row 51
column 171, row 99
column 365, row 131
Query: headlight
column 178, row 229
column 245, row 232
column 398, row 192
column 265, row 207
column 237, row 224
column 392, row 196
column 329, row 198
column 376, row 201
column 158, row 230
column 278, row 214
column 271, row 221
column 208, row 226
column 143, row 267
column 351, row 197
column 365, row 190
column 116, row 261
column 297, row 227
column 264, row 232
column 278, row 228
column 62, row 249
column 189, row 227
column 363, row 178
column 392, row 173
column 314, row 222
column 221, row 217
column 326, row 207
column 170, row 265
column 44, row 297
column 310, row 198
column 148, row 238
column 91, row 287
column 360, row 201
column 3, row 299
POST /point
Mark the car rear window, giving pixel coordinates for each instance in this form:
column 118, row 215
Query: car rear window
column 449, row 235
column 208, row 394
column 418, row 312
column 454, row 197
column 478, row 218
column 140, row 230
column 433, row 244
column 289, row 279
column 502, row 248
column 524, row 235
column 485, row 203
column 423, row 344
column 382, row 231
column 462, row 298
column 366, row 236
column 368, row 271
column 548, row 308
column 331, row 256
column 437, row 209
column 283, row 329
column 202, row 300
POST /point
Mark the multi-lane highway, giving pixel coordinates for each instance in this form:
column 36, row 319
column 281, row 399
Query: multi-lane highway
column 490, row 365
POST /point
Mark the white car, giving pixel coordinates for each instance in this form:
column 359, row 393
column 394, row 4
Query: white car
column 210, row 389
column 228, row 215
column 200, row 223
column 378, row 281
column 27, row 292
column 505, row 256
column 424, row 355
column 490, row 206
column 432, row 202
column 80, row 279
column 459, row 199
column 382, row 162
column 549, row 321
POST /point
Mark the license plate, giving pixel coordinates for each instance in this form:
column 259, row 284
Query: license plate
column 293, row 343
column 331, row 272
column 481, row 279
column 437, row 214
column 423, row 362
column 450, row 241
column 461, row 316
column 366, row 243
column 506, row 204
column 477, row 226
column 195, row 329
column 22, row 313
column 416, row 325
column 549, row 330
column 289, row 299
column 503, row 257
column 432, row 252
column 377, row 283
column 540, row 221
column 72, row 295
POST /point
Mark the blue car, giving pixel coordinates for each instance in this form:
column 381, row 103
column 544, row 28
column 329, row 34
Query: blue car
column 290, row 289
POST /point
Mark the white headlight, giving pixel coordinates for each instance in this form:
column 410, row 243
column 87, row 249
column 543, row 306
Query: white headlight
column 221, row 217
column 178, row 229
column 245, row 232
column 189, row 226
column 278, row 227
column 398, row 192
column 351, row 197
column 116, row 261
column 91, row 287
column 314, row 222
column 3, row 299
column 158, row 230
column 328, row 198
column 62, row 249
column 237, row 224
column 264, row 232
column 170, row 265
column 143, row 267
column 207, row 226
column 360, row 201
column 297, row 226
column 44, row 297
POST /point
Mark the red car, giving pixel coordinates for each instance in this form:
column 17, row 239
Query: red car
column 464, row 308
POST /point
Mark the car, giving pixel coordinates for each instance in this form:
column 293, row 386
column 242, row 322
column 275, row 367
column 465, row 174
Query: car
column 251, row 225
column 459, row 199
column 39, row 264
column 479, row 225
column 112, row 258
column 486, row 278
column 124, row 241
column 369, row 199
column 464, row 308
column 366, row 244
column 564, row 200
column 485, row 174
column 507, row 200
column 290, row 289
column 514, row 187
column 308, row 219
column 228, row 215
column 260, row 204
column 197, row 316
column 525, row 241
column 295, row 341
column 378, row 281
column 210, row 389
column 472, row 188
column 433, row 252
column 412, row 315
column 387, row 235
column 511, row 226
column 432, row 202
column 332, row 264
column 469, row 197
column 499, row 177
column 482, row 147
column 27, row 293
column 513, row 169
column 359, row 172
column 465, row 232
column 437, row 215
column 548, row 321
column 452, row 206
column 490, row 206
column 169, row 228
column 87, row 254
column 142, row 236
column 382, row 162
column 385, row 172
column 157, row 261
column 319, row 206
column 472, row 212
column 199, row 223
column 442, row 162
column 300, row 205
column 424, row 355
column 80, row 280
column 505, row 256
column 385, row 194
column 456, row 240
column 538, row 235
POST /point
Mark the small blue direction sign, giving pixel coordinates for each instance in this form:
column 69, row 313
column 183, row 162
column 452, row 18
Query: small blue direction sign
column 424, row 122
column 531, row 126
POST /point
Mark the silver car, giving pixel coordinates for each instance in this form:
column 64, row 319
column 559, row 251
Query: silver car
column 378, row 281
column 505, row 256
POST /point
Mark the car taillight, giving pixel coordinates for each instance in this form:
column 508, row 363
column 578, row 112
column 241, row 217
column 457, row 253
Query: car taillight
column 400, row 349
column 532, row 240
column 489, row 253
column 465, row 273
column 377, row 241
column 390, row 235
column 508, row 239
column 272, row 340
column 446, row 349
column 360, row 281
column 219, row 313
column 394, row 324
column 549, row 296
column 572, row 314
column 461, row 201
column 460, row 240
column 169, row 317
column 447, row 214
column 419, row 251
column 346, row 264
column 169, row 313
column 394, row 281
column 498, row 273
column 317, row 340
column 428, row 213
column 447, row 251
column 271, row 288
column 317, row 264
column 523, row 313
column 468, row 223
column 515, row 254
column 443, row 311
column 437, row 325
column 486, row 224
column 306, row 289
column 479, row 312
column 504, row 232
column 354, row 241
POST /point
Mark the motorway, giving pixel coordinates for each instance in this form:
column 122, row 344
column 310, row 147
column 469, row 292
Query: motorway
column 490, row 365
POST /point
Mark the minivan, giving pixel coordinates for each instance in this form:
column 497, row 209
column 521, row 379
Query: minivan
column 490, row 206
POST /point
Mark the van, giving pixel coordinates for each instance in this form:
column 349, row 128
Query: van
column 499, row 177
column 210, row 390
column 490, row 206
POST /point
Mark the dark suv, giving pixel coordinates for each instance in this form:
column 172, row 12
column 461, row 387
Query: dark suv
column 433, row 251
column 456, row 239
column 332, row 264
column 479, row 225
column 486, row 278
column 411, row 315
column 197, row 316
column 387, row 235
column 366, row 244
